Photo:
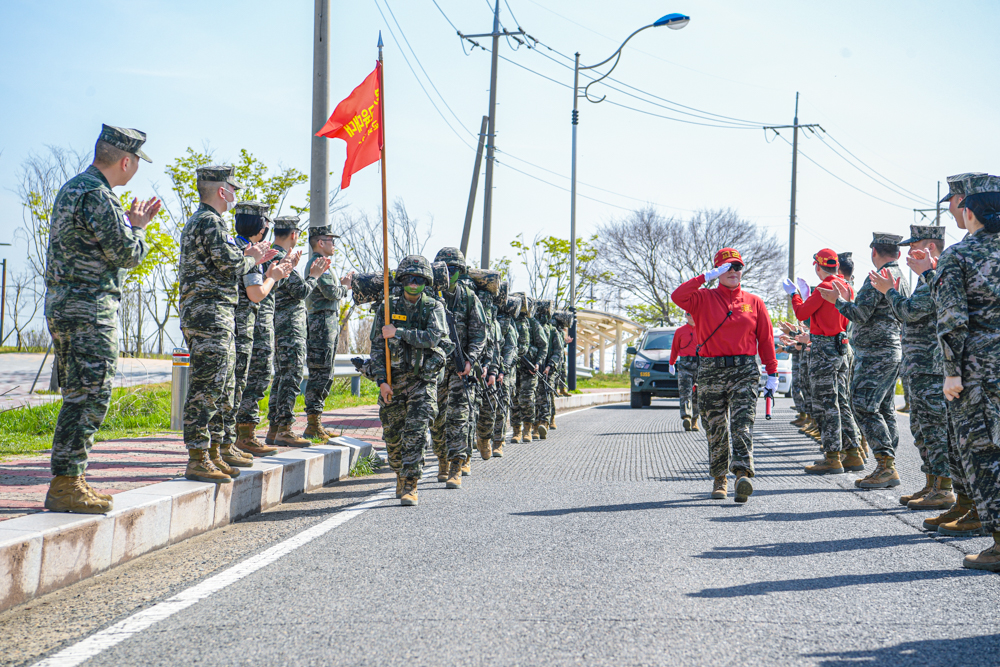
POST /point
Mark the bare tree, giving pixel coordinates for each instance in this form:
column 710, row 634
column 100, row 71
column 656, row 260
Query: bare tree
column 24, row 298
column 361, row 237
column 647, row 256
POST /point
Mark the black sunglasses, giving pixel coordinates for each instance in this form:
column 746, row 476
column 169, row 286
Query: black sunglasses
column 736, row 267
column 452, row 270
column 415, row 280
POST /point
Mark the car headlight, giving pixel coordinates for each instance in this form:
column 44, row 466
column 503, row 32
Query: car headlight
column 641, row 365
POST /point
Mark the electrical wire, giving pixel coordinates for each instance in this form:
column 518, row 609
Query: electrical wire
column 453, row 26
column 511, row 11
column 895, row 187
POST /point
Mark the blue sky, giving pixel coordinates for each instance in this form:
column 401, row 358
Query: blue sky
column 908, row 87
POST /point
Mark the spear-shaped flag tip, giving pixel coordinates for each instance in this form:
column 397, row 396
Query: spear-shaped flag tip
column 380, row 39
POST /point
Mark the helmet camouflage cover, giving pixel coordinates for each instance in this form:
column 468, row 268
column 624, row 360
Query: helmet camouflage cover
column 451, row 257
column 415, row 265
column 441, row 278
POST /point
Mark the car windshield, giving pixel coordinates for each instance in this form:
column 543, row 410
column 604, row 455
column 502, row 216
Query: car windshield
column 782, row 356
column 659, row 341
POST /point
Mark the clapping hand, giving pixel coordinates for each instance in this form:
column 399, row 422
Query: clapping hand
column 141, row 212
column 920, row 261
column 803, row 287
column 279, row 271
column 883, row 280
column 348, row 280
column 260, row 252
column 788, row 286
column 319, row 267
column 293, row 258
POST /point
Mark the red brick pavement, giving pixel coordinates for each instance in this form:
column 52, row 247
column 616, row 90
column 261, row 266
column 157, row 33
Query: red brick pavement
column 121, row 465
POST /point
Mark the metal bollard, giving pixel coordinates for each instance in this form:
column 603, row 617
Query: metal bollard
column 179, row 387
column 356, row 385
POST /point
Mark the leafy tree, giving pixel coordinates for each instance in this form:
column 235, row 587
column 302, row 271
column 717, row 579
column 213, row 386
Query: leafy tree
column 547, row 263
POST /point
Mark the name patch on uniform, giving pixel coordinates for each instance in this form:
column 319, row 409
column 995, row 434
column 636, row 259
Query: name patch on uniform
column 401, row 318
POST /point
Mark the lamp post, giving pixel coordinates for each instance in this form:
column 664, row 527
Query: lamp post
column 672, row 21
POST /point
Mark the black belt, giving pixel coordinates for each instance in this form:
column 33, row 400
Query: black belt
column 729, row 362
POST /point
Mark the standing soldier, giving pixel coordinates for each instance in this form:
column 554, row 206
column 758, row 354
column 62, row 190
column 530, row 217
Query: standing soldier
column 553, row 364
column 507, row 378
column 419, row 345
column 878, row 354
column 923, row 367
column 323, row 322
column 451, row 427
column 684, row 363
column 211, row 268
column 540, row 329
column 733, row 327
column 289, row 338
column 91, row 245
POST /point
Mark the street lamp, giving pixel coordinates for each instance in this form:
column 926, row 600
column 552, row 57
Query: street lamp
column 672, row 21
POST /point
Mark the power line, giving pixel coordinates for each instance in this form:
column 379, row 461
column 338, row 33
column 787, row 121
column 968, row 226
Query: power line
column 899, row 189
column 446, row 17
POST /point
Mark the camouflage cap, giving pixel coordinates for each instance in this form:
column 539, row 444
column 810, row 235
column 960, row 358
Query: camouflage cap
column 130, row 141
column 325, row 230
column 252, row 208
column 415, row 265
column 922, row 232
column 286, row 223
column 451, row 257
column 883, row 238
column 956, row 184
column 978, row 184
column 219, row 173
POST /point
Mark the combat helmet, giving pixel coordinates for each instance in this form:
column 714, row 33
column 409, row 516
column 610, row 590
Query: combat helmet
column 453, row 257
column 501, row 296
column 441, row 278
column 543, row 308
column 415, row 265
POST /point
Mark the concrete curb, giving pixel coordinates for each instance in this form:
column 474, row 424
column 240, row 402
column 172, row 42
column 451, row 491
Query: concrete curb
column 46, row 551
column 583, row 400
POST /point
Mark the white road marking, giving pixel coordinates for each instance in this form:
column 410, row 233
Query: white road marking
column 119, row 632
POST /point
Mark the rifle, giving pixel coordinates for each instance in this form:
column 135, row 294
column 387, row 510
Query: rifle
column 541, row 376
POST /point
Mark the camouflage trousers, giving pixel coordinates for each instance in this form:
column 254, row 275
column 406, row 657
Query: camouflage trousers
column 805, row 383
column 405, row 421
column 929, row 423
column 87, row 357
column 475, row 407
column 828, row 373
column 245, row 321
column 797, row 398
column 289, row 357
column 873, row 392
column 321, row 348
column 523, row 412
column 212, row 386
column 450, row 430
column 500, row 424
column 976, row 414
column 259, row 373
column 542, row 393
column 687, row 376
column 955, row 465
column 489, row 413
column 728, row 402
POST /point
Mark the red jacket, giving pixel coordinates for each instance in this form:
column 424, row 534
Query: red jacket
column 684, row 343
column 824, row 318
column 747, row 330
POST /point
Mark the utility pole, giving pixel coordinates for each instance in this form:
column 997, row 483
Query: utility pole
column 937, row 218
column 491, row 132
column 319, row 169
column 475, row 186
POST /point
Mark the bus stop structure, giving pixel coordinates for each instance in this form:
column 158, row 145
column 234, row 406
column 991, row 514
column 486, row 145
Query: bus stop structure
column 597, row 330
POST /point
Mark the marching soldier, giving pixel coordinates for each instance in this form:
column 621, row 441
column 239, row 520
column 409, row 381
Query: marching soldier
column 525, row 381
column 540, row 425
column 92, row 244
column 507, row 376
column 553, row 363
column 684, row 363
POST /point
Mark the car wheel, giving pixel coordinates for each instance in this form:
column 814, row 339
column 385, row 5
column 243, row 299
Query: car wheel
column 647, row 400
column 636, row 399
column 787, row 395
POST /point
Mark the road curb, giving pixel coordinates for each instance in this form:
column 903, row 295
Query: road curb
column 46, row 551
column 583, row 400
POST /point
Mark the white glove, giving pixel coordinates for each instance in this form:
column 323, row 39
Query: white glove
column 672, row 369
column 772, row 383
column 803, row 287
column 712, row 274
column 788, row 286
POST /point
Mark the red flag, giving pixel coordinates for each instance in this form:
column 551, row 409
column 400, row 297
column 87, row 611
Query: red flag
column 358, row 121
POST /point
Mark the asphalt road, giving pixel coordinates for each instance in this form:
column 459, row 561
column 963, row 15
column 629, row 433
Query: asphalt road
column 598, row 546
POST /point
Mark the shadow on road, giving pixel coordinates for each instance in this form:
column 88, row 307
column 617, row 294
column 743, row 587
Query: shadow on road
column 839, row 581
column 787, row 549
column 980, row 650
column 802, row 516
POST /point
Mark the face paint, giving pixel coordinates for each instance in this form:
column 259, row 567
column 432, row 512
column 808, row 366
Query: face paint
column 413, row 289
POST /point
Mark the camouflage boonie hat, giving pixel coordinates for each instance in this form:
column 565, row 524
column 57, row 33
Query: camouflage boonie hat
column 325, row 230
column 286, row 222
column 882, row 238
column 219, row 173
column 253, row 208
column 451, row 257
column 956, row 184
column 921, row 232
column 130, row 141
column 415, row 265
column 979, row 184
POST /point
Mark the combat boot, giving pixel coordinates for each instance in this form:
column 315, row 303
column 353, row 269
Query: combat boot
column 852, row 461
column 799, row 421
column 543, row 430
column 694, row 424
column 467, row 466
column 866, row 451
column 954, row 513
column 454, row 474
column 967, row 526
column 884, row 476
column 830, row 465
column 552, row 423
column 248, row 442
column 939, row 497
column 720, row 488
column 498, row 448
column 744, row 487
column 442, row 469
column 986, row 560
column 409, row 495
column 201, row 469
column 516, row 435
column 526, row 433
column 285, row 438
column 485, row 450
column 72, row 494
column 686, row 423
column 400, row 484
column 928, row 485
column 235, row 457
column 102, row 496
column 315, row 429
column 272, row 433
column 216, row 458
column 534, row 431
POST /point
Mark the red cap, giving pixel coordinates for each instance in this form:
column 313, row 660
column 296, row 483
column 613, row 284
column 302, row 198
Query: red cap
column 728, row 255
column 826, row 258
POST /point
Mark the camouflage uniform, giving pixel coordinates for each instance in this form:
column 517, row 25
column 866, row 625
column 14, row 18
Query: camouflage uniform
column 554, row 361
column 542, row 388
column 91, row 245
column 418, row 350
column 878, row 354
column 525, row 381
column 538, row 350
column 289, row 338
column 687, row 376
column 828, row 377
column 491, row 362
column 729, row 408
column 508, row 366
column 261, row 365
column 211, row 267
column 323, row 322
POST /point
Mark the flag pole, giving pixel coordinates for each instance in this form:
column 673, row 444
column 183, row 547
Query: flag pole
column 385, row 213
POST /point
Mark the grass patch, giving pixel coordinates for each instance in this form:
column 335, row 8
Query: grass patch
column 604, row 381
column 368, row 465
